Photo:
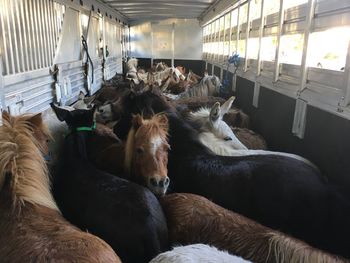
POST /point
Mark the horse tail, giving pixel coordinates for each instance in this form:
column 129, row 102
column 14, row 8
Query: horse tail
column 287, row 249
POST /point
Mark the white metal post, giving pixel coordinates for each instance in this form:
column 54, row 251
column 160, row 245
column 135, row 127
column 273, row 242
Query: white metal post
column 261, row 34
column 278, row 44
column 247, row 30
column 346, row 99
column 173, row 44
column 307, row 29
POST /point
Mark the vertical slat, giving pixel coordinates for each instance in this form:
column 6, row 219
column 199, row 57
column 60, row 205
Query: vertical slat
column 53, row 13
column 3, row 34
column 307, row 29
column 346, row 100
column 230, row 36
column 173, row 44
column 31, row 49
column 238, row 26
column 20, row 32
column 13, row 31
column 247, row 38
column 25, row 34
column 41, row 33
column 12, row 61
column 261, row 33
column 46, row 32
column 51, row 32
column 278, row 42
column 34, row 34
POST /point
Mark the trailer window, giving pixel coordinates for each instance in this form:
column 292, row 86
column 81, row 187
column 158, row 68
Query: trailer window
column 271, row 7
column 332, row 47
column 291, row 49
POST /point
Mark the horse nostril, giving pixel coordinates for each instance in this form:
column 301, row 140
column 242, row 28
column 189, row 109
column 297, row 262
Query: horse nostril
column 100, row 110
column 153, row 182
column 166, row 181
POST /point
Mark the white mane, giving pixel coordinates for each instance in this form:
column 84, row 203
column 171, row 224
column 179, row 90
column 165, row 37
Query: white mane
column 132, row 65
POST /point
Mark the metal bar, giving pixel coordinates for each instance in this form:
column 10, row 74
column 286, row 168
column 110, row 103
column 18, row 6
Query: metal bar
column 46, row 32
column 104, row 37
column 30, row 35
column 41, row 33
column 247, row 30
column 21, row 32
column 173, row 44
column 54, row 25
column 25, row 33
column 346, row 75
column 307, row 29
column 36, row 47
column 2, row 96
column 230, row 35
column 278, row 42
column 3, row 30
column 10, row 39
column 261, row 33
column 15, row 48
column 238, row 26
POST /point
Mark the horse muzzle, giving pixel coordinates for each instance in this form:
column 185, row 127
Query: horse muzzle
column 158, row 185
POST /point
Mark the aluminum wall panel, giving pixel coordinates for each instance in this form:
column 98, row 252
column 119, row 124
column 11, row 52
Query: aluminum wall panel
column 188, row 39
column 141, row 40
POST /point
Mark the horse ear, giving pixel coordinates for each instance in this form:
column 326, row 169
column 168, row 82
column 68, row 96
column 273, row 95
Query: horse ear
column 36, row 120
column 61, row 113
column 227, row 106
column 206, row 73
column 137, row 121
column 6, row 115
column 163, row 121
column 215, row 112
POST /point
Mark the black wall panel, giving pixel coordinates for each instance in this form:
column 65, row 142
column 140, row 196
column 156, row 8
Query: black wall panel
column 197, row 66
column 326, row 141
column 209, row 68
column 144, row 63
column 216, row 71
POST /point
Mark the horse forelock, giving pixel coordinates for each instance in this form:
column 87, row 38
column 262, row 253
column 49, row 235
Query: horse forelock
column 22, row 160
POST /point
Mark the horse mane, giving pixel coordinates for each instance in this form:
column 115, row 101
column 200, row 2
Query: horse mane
column 154, row 126
column 22, row 162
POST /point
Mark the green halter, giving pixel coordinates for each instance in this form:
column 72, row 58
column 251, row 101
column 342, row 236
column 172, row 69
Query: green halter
column 92, row 128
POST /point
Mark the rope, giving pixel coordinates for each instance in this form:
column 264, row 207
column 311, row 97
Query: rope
column 85, row 46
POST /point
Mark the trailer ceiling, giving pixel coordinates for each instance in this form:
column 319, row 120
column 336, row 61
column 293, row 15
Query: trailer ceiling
column 142, row 10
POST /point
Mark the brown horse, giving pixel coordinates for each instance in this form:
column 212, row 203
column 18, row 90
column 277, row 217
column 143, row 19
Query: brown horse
column 143, row 157
column 194, row 219
column 32, row 227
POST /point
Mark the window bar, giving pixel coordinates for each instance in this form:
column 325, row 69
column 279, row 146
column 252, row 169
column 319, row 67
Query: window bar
column 25, row 33
column 345, row 102
column 238, row 26
column 224, row 40
column 10, row 35
column 230, row 36
column 217, row 39
column 212, row 41
column 278, row 42
column 21, row 32
column 308, row 23
column 3, row 34
column 247, row 30
column 261, row 33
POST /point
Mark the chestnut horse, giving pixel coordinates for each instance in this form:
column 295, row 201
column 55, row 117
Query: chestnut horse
column 126, row 215
column 144, row 156
column 193, row 219
column 32, row 227
column 278, row 191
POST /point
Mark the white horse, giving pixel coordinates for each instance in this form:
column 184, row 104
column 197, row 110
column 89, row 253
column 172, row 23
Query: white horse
column 197, row 253
column 209, row 86
column 219, row 137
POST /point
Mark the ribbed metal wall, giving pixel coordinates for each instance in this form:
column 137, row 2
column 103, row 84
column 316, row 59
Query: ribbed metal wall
column 29, row 34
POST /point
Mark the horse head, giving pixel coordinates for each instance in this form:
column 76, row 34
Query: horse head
column 75, row 118
column 146, row 153
column 212, row 125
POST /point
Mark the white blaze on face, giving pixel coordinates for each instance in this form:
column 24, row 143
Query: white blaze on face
column 156, row 142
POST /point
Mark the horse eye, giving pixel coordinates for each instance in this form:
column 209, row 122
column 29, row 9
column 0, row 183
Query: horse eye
column 228, row 138
column 139, row 150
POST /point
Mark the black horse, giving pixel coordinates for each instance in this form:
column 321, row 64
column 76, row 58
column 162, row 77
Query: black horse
column 277, row 191
column 124, row 214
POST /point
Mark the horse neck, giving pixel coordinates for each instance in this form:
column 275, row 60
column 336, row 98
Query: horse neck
column 76, row 146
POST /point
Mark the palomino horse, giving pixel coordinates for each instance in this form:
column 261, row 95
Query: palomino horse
column 278, row 191
column 219, row 137
column 126, row 215
column 32, row 227
column 193, row 219
column 196, row 253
